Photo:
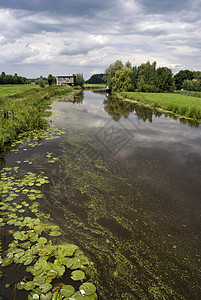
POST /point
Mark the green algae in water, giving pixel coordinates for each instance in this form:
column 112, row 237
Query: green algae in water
column 28, row 246
column 144, row 265
column 129, row 248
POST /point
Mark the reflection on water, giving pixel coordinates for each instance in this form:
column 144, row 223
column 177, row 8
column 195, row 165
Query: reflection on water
column 126, row 189
column 117, row 108
column 76, row 97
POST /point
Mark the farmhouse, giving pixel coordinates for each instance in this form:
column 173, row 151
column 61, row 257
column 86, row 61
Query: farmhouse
column 66, row 80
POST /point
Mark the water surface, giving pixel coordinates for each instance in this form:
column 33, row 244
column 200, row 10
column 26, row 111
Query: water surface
column 126, row 190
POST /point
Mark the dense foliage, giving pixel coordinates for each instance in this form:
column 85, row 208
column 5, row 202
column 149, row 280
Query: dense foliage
column 79, row 79
column 145, row 78
column 148, row 78
column 13, row 79
column 188, row 80
column 43, row 81
column 192, row 85
column 181, row 76
column 96, row 79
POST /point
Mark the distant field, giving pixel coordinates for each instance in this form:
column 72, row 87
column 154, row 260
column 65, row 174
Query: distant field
column 11, row 89
column 183, row 105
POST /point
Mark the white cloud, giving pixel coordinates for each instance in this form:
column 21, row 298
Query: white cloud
column 96, row 34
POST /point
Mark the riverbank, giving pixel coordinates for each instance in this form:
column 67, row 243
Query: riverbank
column 94, row 86
column 180, row 105
column 30, row 109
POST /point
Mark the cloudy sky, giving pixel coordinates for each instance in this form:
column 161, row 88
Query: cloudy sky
column 61, row 37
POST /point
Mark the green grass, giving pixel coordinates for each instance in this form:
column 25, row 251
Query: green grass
column 94, row 86
column 7, row 90
column 189, row 93
column 30, row 107
column 182, row 105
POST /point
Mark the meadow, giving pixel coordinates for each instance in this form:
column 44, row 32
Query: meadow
column 30, row 105
column 179, row 104
column 11, row 89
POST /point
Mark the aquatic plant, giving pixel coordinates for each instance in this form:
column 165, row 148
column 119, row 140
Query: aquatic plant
column 33, row 240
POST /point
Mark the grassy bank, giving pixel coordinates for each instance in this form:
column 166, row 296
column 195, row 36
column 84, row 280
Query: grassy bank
column 95, row 86
column 11, row 89
column 178, row 104
column 189, row 93
column 30, row 107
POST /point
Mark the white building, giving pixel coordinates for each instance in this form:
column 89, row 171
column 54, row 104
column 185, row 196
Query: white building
column 66, row 80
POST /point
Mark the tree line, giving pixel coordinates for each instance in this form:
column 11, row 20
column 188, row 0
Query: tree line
column 147, row 78
column 13, row 79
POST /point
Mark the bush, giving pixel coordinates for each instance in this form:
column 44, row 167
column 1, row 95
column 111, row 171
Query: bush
column 41, row 82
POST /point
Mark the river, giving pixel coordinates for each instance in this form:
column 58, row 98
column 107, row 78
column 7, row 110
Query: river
column 125, row 187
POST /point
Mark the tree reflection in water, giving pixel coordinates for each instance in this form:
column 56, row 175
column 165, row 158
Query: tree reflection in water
column 117, row 108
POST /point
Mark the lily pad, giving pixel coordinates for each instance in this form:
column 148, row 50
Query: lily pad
column 77, row 296
column 20, row 285
column 20, row 235
column 38, row 280
column 39, row 267
column 77, row 275
column 38, row 228
column 29, row 286
column 74, row 263
column 42, row 240
column 59, row 269
column 29, row 260
column 46, row 287
column 67, row 290
column 7, row 261
column 87, row 288
column 66, row 250
column 11, row 222
column 51, row 274
column 91, row 297
column 34, row 237
column 47, row 296
column 27, row 220
column 33, row 296
column 55, row 233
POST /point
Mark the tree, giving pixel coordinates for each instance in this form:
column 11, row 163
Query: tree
column 41, row 82
column 128, row 64
column 197, row 75
column 181, row 76
column 192, row 85
column 122, row 80
column 50, row 79
column 134, row 78
column 147, row 77
column 12, row 79
column 164, row 80
column 110, row 71
column 80, row 79
column 96, row 79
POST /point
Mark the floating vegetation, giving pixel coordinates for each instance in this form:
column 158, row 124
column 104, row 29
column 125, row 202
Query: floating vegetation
column 33, row 242
column 51, row 158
